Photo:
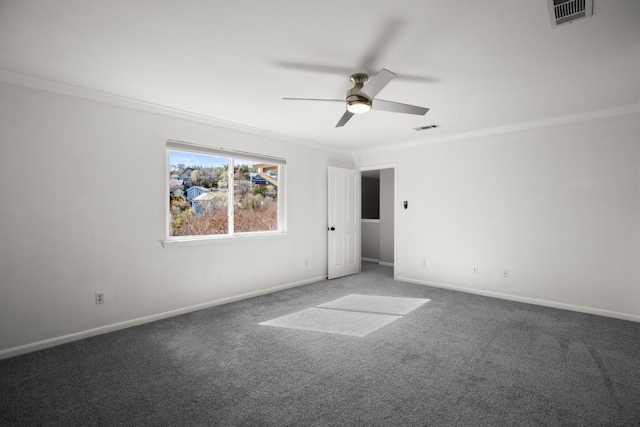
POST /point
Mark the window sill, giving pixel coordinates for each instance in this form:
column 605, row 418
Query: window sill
column 208, row 240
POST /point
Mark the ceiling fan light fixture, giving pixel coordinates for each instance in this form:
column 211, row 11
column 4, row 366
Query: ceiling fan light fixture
column 359, row 106
column 361, row 96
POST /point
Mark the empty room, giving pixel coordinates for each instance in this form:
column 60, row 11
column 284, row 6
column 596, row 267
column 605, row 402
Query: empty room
column 292, row 213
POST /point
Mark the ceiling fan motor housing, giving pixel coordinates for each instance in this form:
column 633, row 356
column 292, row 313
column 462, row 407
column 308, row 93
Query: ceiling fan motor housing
column 357, row 103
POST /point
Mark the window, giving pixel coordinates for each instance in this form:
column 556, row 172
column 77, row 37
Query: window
column 214, row 192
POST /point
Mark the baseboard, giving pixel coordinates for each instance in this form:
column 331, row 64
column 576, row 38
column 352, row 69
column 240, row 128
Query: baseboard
column 52, row 342
column 534, row 301
column 377, row 261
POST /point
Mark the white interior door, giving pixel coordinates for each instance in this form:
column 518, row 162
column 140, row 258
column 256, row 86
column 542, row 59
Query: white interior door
column 344, row 222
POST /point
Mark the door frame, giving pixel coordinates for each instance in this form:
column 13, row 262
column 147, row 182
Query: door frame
column 393, row 166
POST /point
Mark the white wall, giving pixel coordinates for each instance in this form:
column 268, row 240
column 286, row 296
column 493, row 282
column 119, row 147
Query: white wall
column 559, row 207
column 370, row 239
column 84, row 210
column 386, row 216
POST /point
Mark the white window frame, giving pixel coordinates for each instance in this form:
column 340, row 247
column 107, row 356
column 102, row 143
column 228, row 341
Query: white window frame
column 232, row 155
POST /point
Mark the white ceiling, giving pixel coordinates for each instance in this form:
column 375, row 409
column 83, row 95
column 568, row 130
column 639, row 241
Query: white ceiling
column 477, row 64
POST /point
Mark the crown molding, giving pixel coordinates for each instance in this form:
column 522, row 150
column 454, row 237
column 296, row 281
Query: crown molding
column 519, row 127
column 38, row 83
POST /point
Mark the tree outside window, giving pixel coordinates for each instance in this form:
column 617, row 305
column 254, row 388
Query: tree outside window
column 222, row 195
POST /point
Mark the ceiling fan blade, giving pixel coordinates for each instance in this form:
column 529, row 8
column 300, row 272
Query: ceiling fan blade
column 318, row 68
column 345, row 71
column 344, row 119
column 376, row 83
column 419, row 79
column 313, row 99
column 381, row 45
column 396, row 107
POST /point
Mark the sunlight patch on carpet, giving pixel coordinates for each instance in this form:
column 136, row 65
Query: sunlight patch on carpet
column 376, row 304
column 341, row 322
column 355, row 315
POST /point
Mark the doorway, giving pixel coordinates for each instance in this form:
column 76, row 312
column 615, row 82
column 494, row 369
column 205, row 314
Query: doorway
column 378, row 214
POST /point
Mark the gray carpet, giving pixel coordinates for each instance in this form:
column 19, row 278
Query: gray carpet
column 460, row 360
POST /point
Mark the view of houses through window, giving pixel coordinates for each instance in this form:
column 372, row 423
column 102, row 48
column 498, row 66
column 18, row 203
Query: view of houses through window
column 214, row 195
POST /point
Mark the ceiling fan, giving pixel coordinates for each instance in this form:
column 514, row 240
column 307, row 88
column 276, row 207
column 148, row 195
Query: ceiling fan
column 361, row 97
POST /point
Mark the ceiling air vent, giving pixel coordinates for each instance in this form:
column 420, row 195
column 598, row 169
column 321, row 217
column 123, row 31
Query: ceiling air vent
column 563, row 11
column 427, row 127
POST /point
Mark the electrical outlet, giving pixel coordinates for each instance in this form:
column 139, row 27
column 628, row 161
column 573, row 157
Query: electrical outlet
column 505, row 273
column 474, row 269
column 423, row 262
column 99, row 297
